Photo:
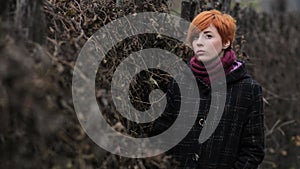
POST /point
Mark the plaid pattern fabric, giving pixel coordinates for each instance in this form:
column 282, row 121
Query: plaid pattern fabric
column 238, row 141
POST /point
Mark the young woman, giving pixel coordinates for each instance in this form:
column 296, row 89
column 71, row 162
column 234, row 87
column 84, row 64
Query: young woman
column 238, row 140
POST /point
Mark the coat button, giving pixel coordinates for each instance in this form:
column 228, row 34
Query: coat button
column 195, row 157
column 201, row 122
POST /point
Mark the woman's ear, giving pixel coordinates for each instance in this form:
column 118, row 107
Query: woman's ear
column 226, row 45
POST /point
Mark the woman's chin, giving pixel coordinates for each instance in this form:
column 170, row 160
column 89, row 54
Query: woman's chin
column 203, row 58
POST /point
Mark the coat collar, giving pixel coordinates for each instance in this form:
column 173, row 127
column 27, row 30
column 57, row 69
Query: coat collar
column 237, row 74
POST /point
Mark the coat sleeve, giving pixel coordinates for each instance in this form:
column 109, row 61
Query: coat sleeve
column 171, row 111
column 252, row 144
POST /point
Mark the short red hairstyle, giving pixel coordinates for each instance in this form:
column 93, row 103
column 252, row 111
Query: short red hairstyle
column 225, row 24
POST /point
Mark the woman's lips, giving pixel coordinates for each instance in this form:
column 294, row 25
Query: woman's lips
column 200, row 52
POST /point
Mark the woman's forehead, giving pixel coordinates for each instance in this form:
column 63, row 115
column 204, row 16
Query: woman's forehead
column 210, row 28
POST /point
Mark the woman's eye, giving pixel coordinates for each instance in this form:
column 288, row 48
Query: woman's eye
column 195, row 37
column 207, row 36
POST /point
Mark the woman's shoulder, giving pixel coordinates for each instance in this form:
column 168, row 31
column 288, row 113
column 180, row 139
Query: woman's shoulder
column 241, row 78
column 251, row 86
column 239, row 73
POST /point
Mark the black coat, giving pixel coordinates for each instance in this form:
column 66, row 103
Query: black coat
column 238, row 141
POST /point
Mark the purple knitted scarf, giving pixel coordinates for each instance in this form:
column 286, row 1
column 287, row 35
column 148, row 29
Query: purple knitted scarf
column 214, row 67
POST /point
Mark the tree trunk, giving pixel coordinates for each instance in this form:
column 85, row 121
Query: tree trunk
column 188, row 8
column 29, row 19
column 226, row 6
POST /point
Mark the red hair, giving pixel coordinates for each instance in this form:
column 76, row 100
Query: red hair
column 224, row 23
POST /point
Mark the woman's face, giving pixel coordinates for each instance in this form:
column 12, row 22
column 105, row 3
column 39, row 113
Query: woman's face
column 208, row 44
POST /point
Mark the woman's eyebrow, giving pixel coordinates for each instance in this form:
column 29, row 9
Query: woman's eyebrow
column 207, row 32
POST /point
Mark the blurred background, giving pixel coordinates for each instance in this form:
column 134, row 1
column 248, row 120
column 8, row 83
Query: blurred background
column 41, row 39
